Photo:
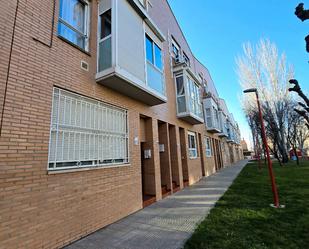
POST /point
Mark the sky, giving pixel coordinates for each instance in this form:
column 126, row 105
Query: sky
column 216, row 31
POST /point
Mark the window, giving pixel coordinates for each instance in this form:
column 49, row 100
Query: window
column 155, row 78
column 192, row 145
column 175, row 50
column 195, row 105
column 86, row 133
column 149, row 50
column 153, row 53
column 216, row 121
column 74, row 22
column 186, row 59
column 181, row 96
column 208, row 147
column 208, row 118
column 105, row 41
column 158, row 57
column 106, row 24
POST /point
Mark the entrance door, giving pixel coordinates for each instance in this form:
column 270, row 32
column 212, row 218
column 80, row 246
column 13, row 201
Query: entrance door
column 201, row 154
column 147, row 164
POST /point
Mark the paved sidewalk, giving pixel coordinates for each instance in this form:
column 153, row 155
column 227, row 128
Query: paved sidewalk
column 168, row 223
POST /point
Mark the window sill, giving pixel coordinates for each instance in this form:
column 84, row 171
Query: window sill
column 73, row 45
column 193, row 158
column 63, row 171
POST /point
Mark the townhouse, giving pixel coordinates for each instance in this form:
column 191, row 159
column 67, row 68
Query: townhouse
column 104, row 110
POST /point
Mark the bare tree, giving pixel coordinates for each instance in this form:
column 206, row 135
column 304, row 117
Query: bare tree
column 304, row 112
column 303, row 15
column 263, row 68
column 297, row 133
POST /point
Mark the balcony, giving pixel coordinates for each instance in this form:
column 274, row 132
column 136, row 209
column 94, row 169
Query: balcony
column 189, row 107
column 124, row 28
column 211, row 115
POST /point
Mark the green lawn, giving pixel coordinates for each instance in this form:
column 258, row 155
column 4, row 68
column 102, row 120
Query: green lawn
column 242, row 218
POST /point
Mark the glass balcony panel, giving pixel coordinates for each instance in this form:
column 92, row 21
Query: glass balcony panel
column 105, row 54
column 181, row 104
column 155, row 79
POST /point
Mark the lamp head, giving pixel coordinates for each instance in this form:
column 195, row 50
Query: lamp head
column 250, row 90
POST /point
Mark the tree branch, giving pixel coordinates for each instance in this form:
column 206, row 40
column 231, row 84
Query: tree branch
column 303, row 114
column 301, row 13
column 298, row 90
column 304, row 106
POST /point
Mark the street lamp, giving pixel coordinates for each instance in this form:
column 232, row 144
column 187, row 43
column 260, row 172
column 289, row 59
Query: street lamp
column 270, row 168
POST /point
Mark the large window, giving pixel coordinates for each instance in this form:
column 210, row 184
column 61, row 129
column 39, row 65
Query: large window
column 74, row 22
column 208, row 147
column 192, row 144
column 209, row 118
column 105, row 40
column 181, row 94
column 86, row 133
column 195, row 105
column 155, row 78
column 216, row 120
column 188, row 97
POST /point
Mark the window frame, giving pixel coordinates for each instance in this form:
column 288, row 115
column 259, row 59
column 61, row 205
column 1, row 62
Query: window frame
column 101, row 40
column 190, row 148
column 194, row 97
column 78, row 166
column 86, row 33
column 208, row 149
column 177, row 47
column 186, row 59
column 153, row 64
column 154, row 45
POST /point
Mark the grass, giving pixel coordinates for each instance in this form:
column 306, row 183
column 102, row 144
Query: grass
column 242, row 218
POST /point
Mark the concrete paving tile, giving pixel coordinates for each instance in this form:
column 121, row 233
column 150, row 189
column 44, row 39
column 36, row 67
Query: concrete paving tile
column 168, row 223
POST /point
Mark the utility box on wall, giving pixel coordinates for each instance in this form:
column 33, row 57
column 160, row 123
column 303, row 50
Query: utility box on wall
column 147, row 154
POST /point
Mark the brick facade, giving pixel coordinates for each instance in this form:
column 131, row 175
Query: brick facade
column 42, row 209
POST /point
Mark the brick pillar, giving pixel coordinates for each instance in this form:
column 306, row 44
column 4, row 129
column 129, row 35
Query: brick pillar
column 156, row 158
column 178, row 151
column 175, row 155
column 184, row 153
column 165, row 161
column 202, row 154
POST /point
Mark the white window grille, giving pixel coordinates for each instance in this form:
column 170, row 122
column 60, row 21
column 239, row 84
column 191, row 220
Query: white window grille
column 208, row 147
column 86, row 133
column 192, row 145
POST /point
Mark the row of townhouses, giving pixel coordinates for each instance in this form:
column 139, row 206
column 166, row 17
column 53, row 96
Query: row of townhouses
column 104, row 110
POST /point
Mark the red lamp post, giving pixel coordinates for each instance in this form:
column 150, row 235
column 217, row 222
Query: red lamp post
column 269, row 162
